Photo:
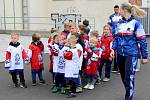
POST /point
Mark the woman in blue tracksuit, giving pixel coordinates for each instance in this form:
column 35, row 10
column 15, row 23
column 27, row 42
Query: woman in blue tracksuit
column 130, row 32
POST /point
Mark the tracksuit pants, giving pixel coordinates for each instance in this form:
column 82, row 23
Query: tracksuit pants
column 127, row 66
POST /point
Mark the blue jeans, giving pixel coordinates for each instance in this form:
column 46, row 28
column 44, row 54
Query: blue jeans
column 35, row 72
column 107, row 67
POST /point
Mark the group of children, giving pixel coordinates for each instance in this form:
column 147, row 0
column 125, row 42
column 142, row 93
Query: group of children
column 76, row 54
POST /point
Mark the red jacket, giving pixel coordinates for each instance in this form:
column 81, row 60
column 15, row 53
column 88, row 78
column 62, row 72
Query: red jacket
column 37, row 55
column 105, row 46
column 92, row 61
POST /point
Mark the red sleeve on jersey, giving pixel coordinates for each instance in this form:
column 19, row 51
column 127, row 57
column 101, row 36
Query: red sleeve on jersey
column 68, row 55
column 49, row 40
column 79, row 53
column 8, row 55
column 24, row 54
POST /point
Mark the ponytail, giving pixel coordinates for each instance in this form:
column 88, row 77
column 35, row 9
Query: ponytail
column 134, row 10
column 138, row 12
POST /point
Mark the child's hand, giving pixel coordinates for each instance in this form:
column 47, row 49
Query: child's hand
column 112, row 54
column 144, row 61
column 27, row 61
column 89, row 50
column 110, row 58
column 7, row 64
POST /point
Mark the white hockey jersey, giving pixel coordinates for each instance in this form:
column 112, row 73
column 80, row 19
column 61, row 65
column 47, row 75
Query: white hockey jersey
column 58, row 61
column 72, row 64
column 15, row 61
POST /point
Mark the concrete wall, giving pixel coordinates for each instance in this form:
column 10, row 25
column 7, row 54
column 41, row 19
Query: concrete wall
column 97, row 11
column 39, row 8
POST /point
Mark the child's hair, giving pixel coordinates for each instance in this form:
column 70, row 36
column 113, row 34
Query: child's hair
column 66, row 24
column 73, row 25
column 86, row 22
column 76, row 35
column 116, row 6
column 95, row 33
column 134, row 10
column 35, row 37
column 15, row 34
column 82, row 28
column 94, row 39
column 55, row 35
column 54, row 30
column 108, row 27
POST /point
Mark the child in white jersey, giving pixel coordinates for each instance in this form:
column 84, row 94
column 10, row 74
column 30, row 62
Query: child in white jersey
column 57, row 51
column 72, row 66
column 15, row 54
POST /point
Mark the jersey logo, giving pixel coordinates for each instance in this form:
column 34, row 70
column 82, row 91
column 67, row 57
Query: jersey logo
column 61, row 62
column 103, row 48
column 17, row 59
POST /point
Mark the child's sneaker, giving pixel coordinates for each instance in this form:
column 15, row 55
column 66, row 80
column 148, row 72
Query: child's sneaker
column 106, row 79
column 71, row 95
column 87, row 86
column 55, row 89
column 33, row 83
column 62, row 90
column 91, row 87
column 98, row 82
column 42, row 82
column 23, row 85
column 79, row 89
column 16, row 85
column 114, row 71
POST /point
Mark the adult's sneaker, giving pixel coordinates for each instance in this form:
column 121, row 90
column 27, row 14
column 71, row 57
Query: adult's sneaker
column 106, row 79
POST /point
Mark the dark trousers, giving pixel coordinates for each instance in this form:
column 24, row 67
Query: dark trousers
column 73, row 86
column 115, row 64
column 107, row 67
column 37, row 72
column 127, row 65
column 91, row 79
column 59, row 80
column 14, row 74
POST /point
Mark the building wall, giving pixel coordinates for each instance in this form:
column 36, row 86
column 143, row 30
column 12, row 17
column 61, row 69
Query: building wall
column 58, row 11
column 9, row 12
column 89, row 9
